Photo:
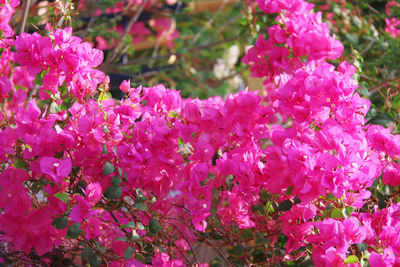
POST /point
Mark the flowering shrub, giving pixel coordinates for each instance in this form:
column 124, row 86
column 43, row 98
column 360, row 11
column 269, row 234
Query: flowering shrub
column 393, row 23
column 289, row 177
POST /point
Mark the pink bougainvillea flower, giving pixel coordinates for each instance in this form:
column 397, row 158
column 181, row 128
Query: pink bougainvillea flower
column 93, row 193
column 57, row 169
column 82, row 210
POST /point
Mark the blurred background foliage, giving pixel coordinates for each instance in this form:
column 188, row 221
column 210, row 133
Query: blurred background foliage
column 203, row 59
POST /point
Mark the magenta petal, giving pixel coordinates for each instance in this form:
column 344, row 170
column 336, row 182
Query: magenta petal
column 64, row 167
column 78, row 213
column 93, row 193
column 84, row 124
column 47, row 165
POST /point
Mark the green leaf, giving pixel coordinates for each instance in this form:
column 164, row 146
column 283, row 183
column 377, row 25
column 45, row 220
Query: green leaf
column 140, row 226
column 129, row 253
column 20, row 164
column 290, row 263
column 122, row 238
column 60, row 222
column 285, row 205
column 140, row 258
column 363, row 89
column 116, row 180
column 347, row 211
column 128, row 225
column 259, row 209
column 103, row 96
column 336, row 214
column 140, row 206
column 84, row 255
column 331, row 196
column 36, row 187
column 216, row 263
column 382, row 119
column 108, row 168
column 140, row 197
column 351, row 259
column 113, row 192
column 154, row 226
column 180, row 141
column 74, row 230
column 61, row 196
column 361, row 247
column 289, row 190
column 105, row 150
column 396, row 102
column 260, row 239
column 94, row 259
column 264, row 195
column 247, row 234
column 236, row 251
column 66, row 103
column 135, row 235
column 102, row 249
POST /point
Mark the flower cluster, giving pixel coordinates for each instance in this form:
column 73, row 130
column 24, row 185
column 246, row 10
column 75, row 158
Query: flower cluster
column 392, row 24
column 60, row 57
column 7, row 8
column 141, row 180
column 325, row 149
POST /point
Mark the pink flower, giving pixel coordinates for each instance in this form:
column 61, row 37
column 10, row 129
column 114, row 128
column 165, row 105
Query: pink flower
column 391, row 176
column 392, row 27
column 82, row 210
column 389, row 6
column 31, row 49
column 382, row 260
column 93, row 193
column 57, row 169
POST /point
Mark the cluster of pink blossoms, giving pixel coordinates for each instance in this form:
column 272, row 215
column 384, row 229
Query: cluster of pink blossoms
column 392, row 24
column 7, row 9
column 64, row 60
column 325, row 149
column 87, row 169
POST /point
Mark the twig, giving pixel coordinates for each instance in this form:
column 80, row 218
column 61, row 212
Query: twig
column 25, row 17
column 191, row 49
column 373, row 9
column 126, row 32
column 368, row 46
column 209, row 22
column 204, row 240
column 163, row 37
column 61, row 21
column 373, row 89
column 187, row 241
column 91, row 21
column 32, row 93
column 229, row 22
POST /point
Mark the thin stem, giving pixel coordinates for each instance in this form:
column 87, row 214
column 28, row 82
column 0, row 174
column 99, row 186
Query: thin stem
column 126, row 32
column 209, row 22
column 25, row 17
column 205, row 240
column 191, row 49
